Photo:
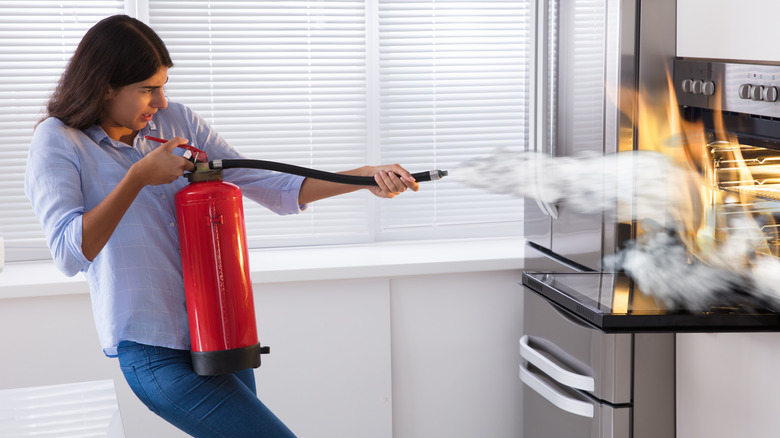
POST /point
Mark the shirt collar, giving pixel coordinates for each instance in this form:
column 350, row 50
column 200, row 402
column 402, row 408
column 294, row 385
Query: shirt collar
column 99, row 136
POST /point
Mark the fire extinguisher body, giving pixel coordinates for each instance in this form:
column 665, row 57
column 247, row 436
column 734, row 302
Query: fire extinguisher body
column 217, row 284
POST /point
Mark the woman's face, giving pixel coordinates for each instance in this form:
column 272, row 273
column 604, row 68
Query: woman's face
column 131, row 107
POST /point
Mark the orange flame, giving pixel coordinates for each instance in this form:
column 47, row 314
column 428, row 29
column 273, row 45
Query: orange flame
column 689, row 145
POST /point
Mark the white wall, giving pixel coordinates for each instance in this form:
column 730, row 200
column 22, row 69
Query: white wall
column 404, row 357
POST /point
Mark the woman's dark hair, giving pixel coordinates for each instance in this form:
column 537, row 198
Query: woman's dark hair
column 117, row 51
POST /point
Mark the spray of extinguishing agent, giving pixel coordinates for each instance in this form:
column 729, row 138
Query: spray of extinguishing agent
column 212, row 239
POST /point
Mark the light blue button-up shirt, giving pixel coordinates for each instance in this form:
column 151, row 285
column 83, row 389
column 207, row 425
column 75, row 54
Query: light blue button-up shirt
column 135, row 281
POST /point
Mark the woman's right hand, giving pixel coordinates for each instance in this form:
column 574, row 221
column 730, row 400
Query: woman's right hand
column 161, row 166
column 158, row 167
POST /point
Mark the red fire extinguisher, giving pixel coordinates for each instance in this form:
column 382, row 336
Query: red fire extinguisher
column 220, row 305
column 215, row 261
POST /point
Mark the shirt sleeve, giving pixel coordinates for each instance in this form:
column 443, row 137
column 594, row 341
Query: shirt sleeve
column 276, row 191
column 52, row 183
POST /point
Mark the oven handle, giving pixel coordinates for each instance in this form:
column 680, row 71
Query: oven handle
column 571, row 318
column 564, row 377
column 563, row 402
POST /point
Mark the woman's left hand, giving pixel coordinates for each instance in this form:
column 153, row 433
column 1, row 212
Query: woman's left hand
column 392, row 180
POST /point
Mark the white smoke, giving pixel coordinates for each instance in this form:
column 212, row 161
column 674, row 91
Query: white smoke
column 647, row 187
column 662, row 266
column 588, row 184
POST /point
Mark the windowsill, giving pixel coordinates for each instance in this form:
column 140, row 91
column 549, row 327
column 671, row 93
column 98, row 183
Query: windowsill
column 386, row 259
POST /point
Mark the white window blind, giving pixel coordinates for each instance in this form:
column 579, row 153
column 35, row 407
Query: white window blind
column 454, row 85
column 326, row 84
column 282, row 81
column 36, row 40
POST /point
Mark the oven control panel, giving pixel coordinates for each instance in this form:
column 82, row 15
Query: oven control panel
column 697, row 86
column 728, row 86
column 757, row 92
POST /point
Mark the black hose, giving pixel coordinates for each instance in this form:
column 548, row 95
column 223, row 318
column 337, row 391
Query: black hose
column 313, row 173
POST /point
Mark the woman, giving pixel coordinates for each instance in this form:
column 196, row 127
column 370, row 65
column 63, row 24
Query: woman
column 104, row 196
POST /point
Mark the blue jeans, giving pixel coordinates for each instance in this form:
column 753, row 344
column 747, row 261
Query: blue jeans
column 202, row 406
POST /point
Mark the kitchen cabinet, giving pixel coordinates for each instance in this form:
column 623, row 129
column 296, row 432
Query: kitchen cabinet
column 728, row 29
column 454, row 344
column 728, row 385
column 404, row 357
column 329, row 371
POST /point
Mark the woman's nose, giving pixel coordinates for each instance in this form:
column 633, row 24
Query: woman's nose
column 159, row 100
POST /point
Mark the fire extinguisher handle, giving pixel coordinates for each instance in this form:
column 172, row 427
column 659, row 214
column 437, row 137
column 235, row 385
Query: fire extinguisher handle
column 431, row 175
column 265, row 350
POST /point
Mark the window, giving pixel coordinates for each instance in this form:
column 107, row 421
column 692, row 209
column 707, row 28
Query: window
column 326, row 84
column 36, row 41
column 453, row 81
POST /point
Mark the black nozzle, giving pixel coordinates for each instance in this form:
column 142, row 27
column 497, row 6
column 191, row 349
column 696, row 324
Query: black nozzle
column 431, row 175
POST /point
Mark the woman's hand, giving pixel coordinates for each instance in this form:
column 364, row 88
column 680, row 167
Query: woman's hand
column 161, row 166
column 392, row 180
column 158, row 167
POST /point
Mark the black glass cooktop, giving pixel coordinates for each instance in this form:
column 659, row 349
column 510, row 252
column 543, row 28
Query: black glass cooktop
column 610, row 302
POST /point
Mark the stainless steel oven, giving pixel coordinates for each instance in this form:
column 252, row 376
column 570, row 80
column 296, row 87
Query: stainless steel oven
column 597, row 356
column 737, row 108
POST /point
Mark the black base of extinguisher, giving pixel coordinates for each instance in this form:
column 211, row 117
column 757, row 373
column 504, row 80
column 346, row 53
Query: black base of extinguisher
column 215, row 363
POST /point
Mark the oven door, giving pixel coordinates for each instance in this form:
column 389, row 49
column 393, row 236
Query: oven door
column 553, row 410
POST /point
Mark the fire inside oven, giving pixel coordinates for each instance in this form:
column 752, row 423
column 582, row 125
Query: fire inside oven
column 742, row 164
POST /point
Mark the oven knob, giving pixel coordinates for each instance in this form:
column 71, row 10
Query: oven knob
column 744, row 91
column 770, row 94
column 686, row 85
column 708, row 88
column 696, row 87
column 756, row 92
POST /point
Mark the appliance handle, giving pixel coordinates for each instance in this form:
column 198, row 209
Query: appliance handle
column 563, row 402
column 540, row 98
column 571, row 318
column 564, row 377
